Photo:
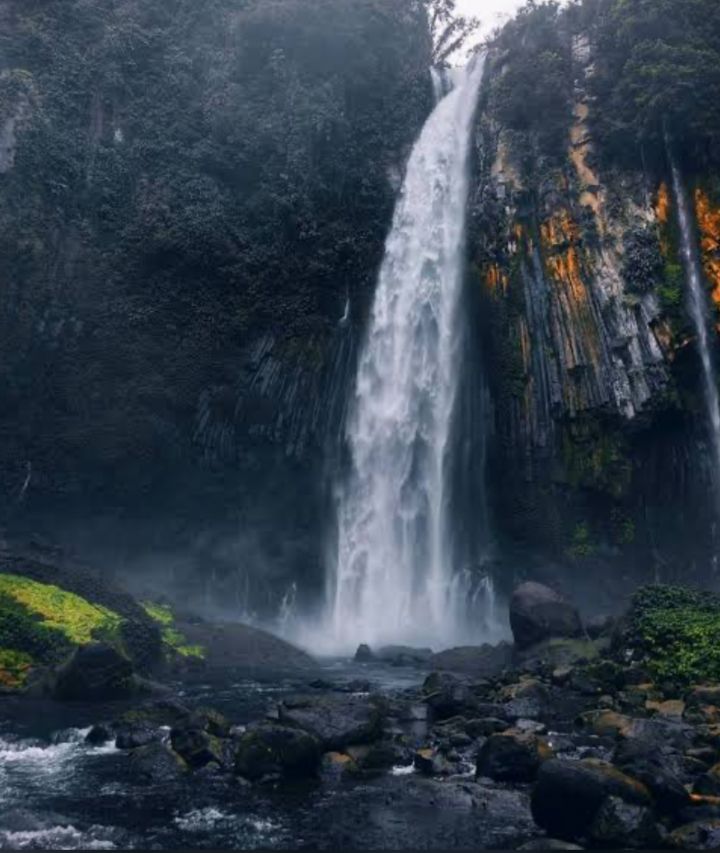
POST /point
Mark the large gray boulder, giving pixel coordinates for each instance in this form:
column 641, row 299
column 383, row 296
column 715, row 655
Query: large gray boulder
column 484, row 661
column 538, row 613
column 96, row 672
column 336, row 721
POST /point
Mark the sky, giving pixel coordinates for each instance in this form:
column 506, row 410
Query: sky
column 490, row 12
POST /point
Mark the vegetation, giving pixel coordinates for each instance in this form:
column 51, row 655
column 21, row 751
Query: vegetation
column 675, row 629
column 450, row 32
column 14, row 669
column 174, row 640
column 642, row 261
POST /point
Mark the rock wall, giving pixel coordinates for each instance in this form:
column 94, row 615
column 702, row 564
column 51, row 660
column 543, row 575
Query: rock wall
column 599, row 467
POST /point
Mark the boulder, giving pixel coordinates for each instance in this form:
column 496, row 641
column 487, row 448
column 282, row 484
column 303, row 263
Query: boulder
column 648, row 764
column 156, row 763
column 568, row 795
column 430, row 762
column 512, row 756
column 364, row 653
column 619, row 824
column 539, row 613
column 95, row 672
column 708, row 785
column 448, row 696
column 269, row 749
column 231, row 646
column 336, row 721
column 484, row 661
column 197, row 747
column 99, row 734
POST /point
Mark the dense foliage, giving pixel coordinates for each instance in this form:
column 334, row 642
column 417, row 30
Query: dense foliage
column 185, row 179
column 675, row 629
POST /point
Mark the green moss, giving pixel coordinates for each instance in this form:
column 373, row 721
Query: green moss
column 671, row 289
column 596, row 456
column 581, row 545
column 676, row 630
column 173, row 639
column 42, row 623
column 59, row 610
column 14, row 668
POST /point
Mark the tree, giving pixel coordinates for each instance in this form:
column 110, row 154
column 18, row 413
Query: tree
column 450, row 32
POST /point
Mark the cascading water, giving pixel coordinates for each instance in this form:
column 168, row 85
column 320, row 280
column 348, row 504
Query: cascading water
column 698, row 307
column 392, row 580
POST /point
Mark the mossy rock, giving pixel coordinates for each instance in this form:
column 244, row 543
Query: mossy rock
column 175, row 643
column 674, row 632
column 46, row 612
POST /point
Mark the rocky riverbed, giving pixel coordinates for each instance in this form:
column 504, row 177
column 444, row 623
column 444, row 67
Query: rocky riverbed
column 601, row 735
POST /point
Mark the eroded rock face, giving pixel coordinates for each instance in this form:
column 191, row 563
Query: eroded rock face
column 539, row 613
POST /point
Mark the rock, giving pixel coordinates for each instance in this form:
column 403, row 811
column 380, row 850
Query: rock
column 558, row 652
column 93, row 673
column 379, row 756
column 334, row 765
column 646, row 763
column 159, row 712
column 336, row 721
column 512, row 756
column 620, row 824
column 672, row 708
column 708, row 784
column 403, row 655
column 211, row 721
column 364, row 653
column 268, row 749
column 448, row 696
column 704, row 694
column 156, row 763
column 549, row 844
column 480, row 661
column 538, row 613
column 99, row 734
column 486, row 726
column 431, row 763
column 231, row 646
column 197, row 747
column 699, row 835
column 568, row 795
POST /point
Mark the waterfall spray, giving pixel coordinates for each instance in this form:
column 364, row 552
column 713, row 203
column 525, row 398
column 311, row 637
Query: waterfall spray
column 392, row 579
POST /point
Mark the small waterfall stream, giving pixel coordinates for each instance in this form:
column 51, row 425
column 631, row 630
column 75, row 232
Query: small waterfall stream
column 698, row 308
column 391, row 579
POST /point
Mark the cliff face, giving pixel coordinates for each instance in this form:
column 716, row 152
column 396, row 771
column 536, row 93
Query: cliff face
column 192, row 196
column 600, row 457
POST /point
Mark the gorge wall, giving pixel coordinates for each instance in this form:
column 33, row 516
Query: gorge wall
column 601, row 469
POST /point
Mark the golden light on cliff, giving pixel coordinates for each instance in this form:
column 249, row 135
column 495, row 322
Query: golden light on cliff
column 662, row 204
column 708, row 220
column 496, row 279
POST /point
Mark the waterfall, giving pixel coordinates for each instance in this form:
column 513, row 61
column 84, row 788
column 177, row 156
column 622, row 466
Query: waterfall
column 391, row 579
column 698, row 307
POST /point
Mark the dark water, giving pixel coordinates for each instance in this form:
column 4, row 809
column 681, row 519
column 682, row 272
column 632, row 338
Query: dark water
column 57, row 792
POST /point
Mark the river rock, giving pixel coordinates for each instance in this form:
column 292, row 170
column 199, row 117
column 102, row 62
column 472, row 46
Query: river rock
column 648, row 764
column 569, row 794
column 512, row 756
column 156, row 763
column 197, row 747
column 268, row 749
column 403, row 655
column 336, row 721
column 364, row 653
column 448, row 696
column 619, row 824
column 538, row 613
column 95, row 672
column 135, row 735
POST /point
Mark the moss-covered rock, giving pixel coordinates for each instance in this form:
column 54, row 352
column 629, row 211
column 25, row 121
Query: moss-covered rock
column 174, row 641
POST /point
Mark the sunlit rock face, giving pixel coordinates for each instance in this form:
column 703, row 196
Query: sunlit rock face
column 601, row 453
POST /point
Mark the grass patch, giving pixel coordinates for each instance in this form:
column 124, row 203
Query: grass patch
column 173, row 639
